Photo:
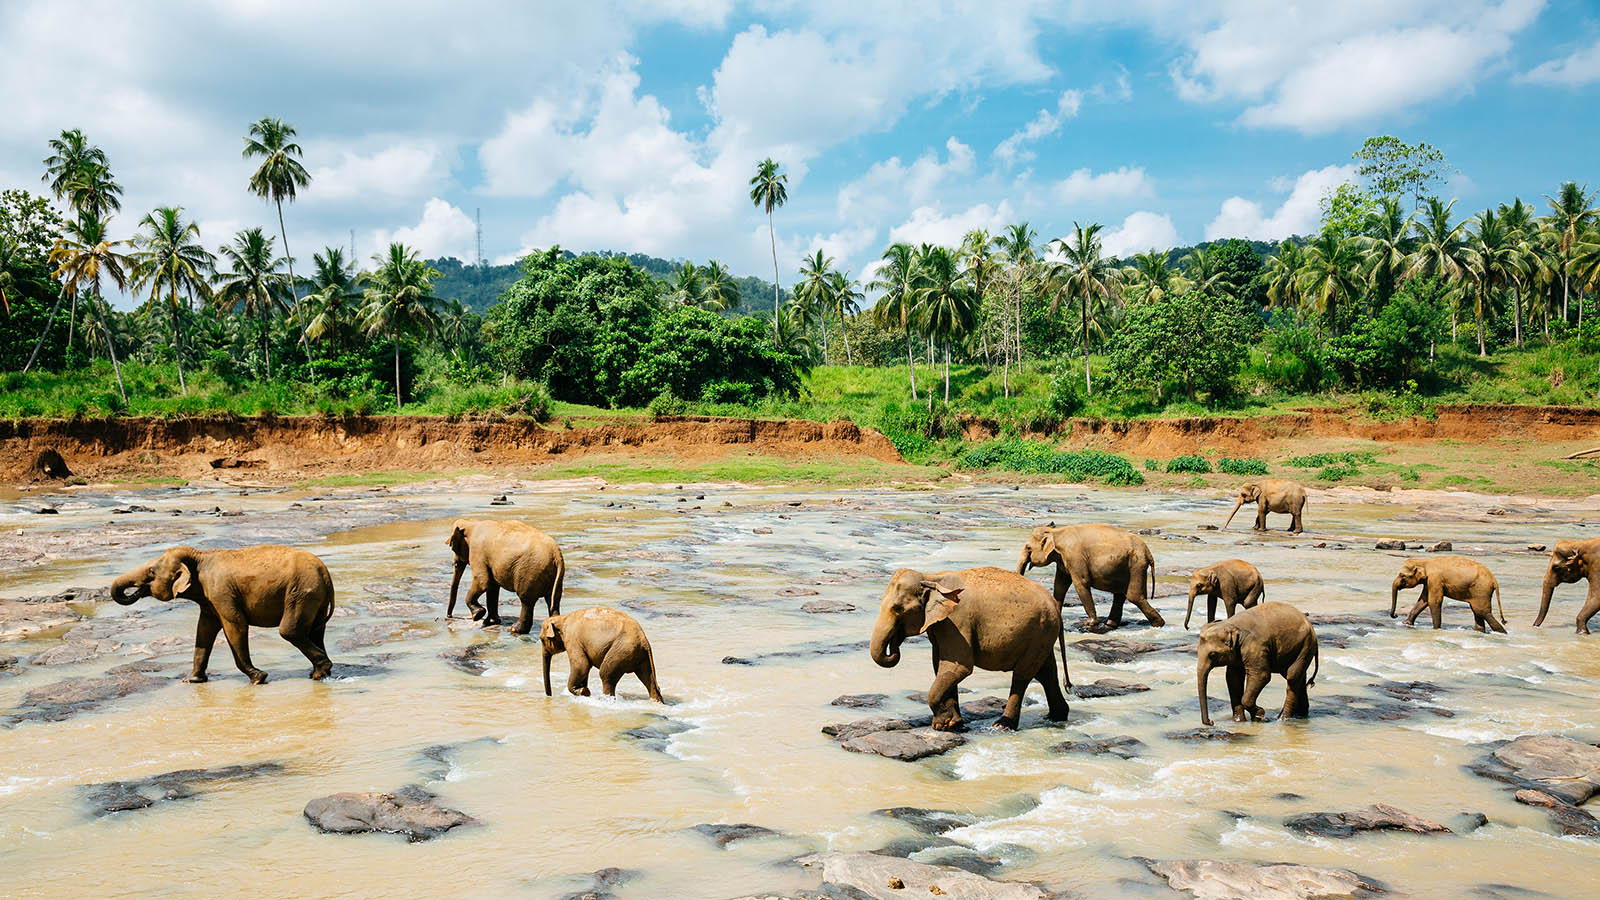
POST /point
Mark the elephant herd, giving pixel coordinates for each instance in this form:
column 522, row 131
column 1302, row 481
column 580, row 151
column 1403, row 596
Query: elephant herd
column 981, row 618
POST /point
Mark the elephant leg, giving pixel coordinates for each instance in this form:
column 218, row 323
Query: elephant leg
column 616, row 663
column 1590, row 607
column 1053, row 694
column 1296, row 702
column 1086, row 597
column 1488, row 615
column 1477, row 622
column 303, row 641
column 942, row 696
column 205, row 637
column 578, row 674
column 1115, row 619
column 1436, row 604
column 1139, row 592
column 491, row 605
column 1236, row 691
column 1211, row 606
column 1416, row 610
column 1012, row 716
column 1295, row 527
column 238, row 635
column 1261, row 517
column 475, row 589
column 525, row 618
column 1254, row 683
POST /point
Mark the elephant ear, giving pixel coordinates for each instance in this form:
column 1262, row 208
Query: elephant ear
column 941, row 601
column 182, row 583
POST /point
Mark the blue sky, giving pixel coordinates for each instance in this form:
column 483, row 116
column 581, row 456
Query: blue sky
column 635, row 126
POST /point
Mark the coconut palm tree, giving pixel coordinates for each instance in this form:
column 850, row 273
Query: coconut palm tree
column 77, row 173
column 687, row 286
column 1386, row 248
column 399, row 301
column 253, row 284
column 84, row 256
column 769, row 189
column 790, row 332
column 1492, row 260
column 279, row 177
column 845, row 295
column 1086, row 275
column 1150, row 279
column 1440, row 250
column 10, row 265
column 328, row 306
column 1201, row 270
column 893, row 309
column 1330, row 275
column 1283, row 275
column 944, row 304
column 1518, row 219
column 69, row 154
column 814, row 292
column 1022, row 262
column 455, row 326
column 721, row 291
column 168, row 256
column 1571, row 213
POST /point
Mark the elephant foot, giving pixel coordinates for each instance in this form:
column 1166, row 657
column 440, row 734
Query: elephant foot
column 1004, row 724
column 490, row 623
column 320, row 672
column 196, row 678
column 953, row 724
column 1057, row 715
column 1157, row 622
column 477, row 613
column 258, row 677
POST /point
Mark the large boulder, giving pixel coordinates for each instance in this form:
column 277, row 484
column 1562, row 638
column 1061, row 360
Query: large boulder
column 1550, row 771
column 411, row 811
column 891, row 878
column 1377, row 817
column 1210, row 879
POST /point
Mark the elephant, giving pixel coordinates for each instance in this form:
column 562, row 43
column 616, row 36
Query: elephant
column 1096, row 556
column 1456, row 577
column 1266, row 640
column 1573, row 561
column 599, row 636
column 262, row 586
column 509, row 554
column 1236, row 581
column 985, row 618
column 1273, row 495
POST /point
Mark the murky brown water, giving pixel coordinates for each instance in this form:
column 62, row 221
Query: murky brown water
column 562, row 791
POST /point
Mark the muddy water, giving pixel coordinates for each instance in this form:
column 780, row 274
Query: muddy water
column 561, row 790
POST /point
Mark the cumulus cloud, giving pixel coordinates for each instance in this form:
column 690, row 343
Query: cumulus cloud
column 1579, row 68
column 1140, row 231
column 443, row 231
column 1047, row 122
column 927, row 224
column 401, row 170
column 890, row 185
column 1300, row 212
column 1085, row 186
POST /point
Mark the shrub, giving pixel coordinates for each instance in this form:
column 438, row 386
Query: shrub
column 1338, row 471
column 1319, row 460
column 1151, row 465
column 1191, row 464
column 1040, row 459
column 725, row 391
column 664, row 404
column 1064, row 400
column 1244, row 466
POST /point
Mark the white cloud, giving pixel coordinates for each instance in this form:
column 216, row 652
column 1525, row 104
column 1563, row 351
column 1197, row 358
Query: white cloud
column 1084, row 186
column 1048, row 121
column 399, row 170
column 928, row 225
column 1140, row 231
column 1300, row 213
column 443, row 231
column 1579, row 68
column 890, row 185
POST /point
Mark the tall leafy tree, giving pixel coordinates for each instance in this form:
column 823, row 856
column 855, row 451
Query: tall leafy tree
column 78, row 173
column 1283, row 275
column 329, row 306
column 1016, row 245
column 1572, row 212
column 769, row 189
column 1518, row 219
column 896, row 269
column 169, row 258
column 1330, row 276
column 1492, row 260
column 945, row 305
column 279, row 177
column 721, row 291
column 70, row 154
column 399, row 301
column 1440, row 251
column 1397, row 169
column 1386, row 248
column 814, row 292
column 844, row 293
column 1086, row 275
column 84, row 257
column 1200, row 270
column 1150, row 279
column 253, row 283
column 688, row 287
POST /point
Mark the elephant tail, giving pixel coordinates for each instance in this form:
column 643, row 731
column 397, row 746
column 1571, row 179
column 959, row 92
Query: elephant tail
column 1066, row 676
column 1500, row 600
column 553, row 605
column 1316, row 666
column 651, row 684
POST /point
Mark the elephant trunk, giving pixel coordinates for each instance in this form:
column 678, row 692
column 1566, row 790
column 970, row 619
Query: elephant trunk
column 885, row 647
column 1193, row 590
column 1394, row 598
column 129, row 588
column 1233, row 513
column 1550, row 582
column 455, row 582
column 1203, row 673
column 547, row 655
column 1024, row 563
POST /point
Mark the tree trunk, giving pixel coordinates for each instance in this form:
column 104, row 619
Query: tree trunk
column 294, row 291
column 177, row 336
column 397, row 375
column 1088, row 389
column 824, row 338
column 947, row 370
column 266, row 340
column 772, row 240
column 911, row 363
column 72, row 327
column 1516, row 314
column 49, row 321
column 844, row 329
column 111, row 349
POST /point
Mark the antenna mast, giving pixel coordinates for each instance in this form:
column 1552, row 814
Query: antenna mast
column 481, row 262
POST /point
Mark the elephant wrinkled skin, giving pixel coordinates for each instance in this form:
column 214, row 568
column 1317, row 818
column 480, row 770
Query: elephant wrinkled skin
column 983, row 618
column 603, row 638
column 1271, row 495
column 1096, row 557
column 1456, row 577
column 1271, row 639
column 1237, row 582
column 1570, row 562
column 264, row 586
column 506, row 554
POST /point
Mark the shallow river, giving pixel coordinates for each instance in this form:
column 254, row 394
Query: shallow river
column 562, row 790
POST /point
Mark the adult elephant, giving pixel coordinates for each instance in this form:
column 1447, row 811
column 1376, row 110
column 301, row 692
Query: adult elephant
column 1095, row 557
column 983, row 618
column 263, row 586
column 506, row 554
column 1456, row 577
column 1237, row 582
column 1573, row 561
column 1271, row 639
column 1271, row 495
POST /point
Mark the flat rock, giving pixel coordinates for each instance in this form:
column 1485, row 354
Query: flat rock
column 1123, row 746
column 1107, row 651
column 109, row 797
column 928, row 821
column 71, row 653
column 64, row 699
column 852, row 701
column 1377, row 817
column 1205, row 734
column 872, row 875
column 411, row 811
column 1564, row 768
column 72, row 595
column 1390, row 545
column 722, row 835
column 1109, row 687
column 1209, row 879
column 905, row 746
column 1441, row 547
column 597, row 885
column 1567, row 819
column 467, row 658
column 23, row 617
column 827, row 606
column 656, row 735
column 372, row 634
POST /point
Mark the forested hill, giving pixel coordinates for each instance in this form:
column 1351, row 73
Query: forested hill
column 479, row 288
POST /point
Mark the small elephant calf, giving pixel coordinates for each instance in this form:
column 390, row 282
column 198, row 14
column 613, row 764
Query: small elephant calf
column 1237, row 582
column 1270, row 639
column 1456, row 577
column 601, row 637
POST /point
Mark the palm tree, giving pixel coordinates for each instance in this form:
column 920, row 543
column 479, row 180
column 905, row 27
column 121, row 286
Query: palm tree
column 1571, row 213
column 1518, row 219
column 687, row 287
column 1329, row 275
column 254, row 283
column 10, row 264
column 1086, row 275
column 400, row 301
column 769, row 189
column 169, row 256
column 328, row 306
column 455, row 326
column 944, row 306
column 1151, row 279
column 1017, row 245
column 84, row 256
column 814, row 292
column 789, row 331
column 1386, row 247
column 721, row 291
column 1440, row 250
column 1200, row 269
column 893, row 310
column 93, row 189
column 69, row 154
column 1492, row 259
column 77, row 173
column 1283, row 275
column 845, row 295
column 279, row 178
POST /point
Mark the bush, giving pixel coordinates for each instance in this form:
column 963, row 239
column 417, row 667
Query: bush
column 1198, row 340
column 665, row 404
column 1035, row 458
column 1064, row 401
column 1318, row 460
column 1190, row 464
column 1338, row 472
column 725, row 391
column 1151, row 465
column 1245, row 466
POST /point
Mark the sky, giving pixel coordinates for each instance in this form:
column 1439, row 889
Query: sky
column 635, row 126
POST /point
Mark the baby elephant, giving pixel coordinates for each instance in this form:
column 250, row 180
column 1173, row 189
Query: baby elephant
column 1236, row 581
column 1270, row 639
column 599, row 637
column 1455, row 577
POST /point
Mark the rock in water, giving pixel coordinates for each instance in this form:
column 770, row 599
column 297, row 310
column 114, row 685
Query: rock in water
column 906, row 746
column 723, row 835
column 1218, row 880
column 64, row 699
column 871, row 875
column 826, row 606
column 1123, row 745
column 1377, row 817
column 411, row 811
column 120, row 796
column 928, row 821
column 1390, row 545
column 854, row 701
column 1554, row 772
column 1109, row 687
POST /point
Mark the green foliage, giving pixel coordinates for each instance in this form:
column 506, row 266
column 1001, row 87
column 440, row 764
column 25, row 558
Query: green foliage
column 1198, row 340
column 1151, row 465
column 1391, row 348
column 665, row 404
column 1245, row 466
column 1346, row 458
column 1346, row 211
column 1397, row 169
column 1065, row 400
column 1338, row 472
column 1034, row 458
column 1191, row 464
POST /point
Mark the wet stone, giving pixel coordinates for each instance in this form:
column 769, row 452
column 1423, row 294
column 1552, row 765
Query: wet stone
column 853, row 701
column 1441, row 547
column 827, row 606
column 1420, row 691
column 597, row 885
column 444, row 755
column 71, row 595
column 928, row 821
column 905, row 746
column 723, row 835
column 1195, row 735
column 1390, row 545
column 1109, row 687
column 1468, row 822
column 1377, row 817
column 64, row 699
column 1107, row 651
column 120, row 796
column 411, row 811
column 372, row 634
column 1550, row 771
column 1369, row 709
column 877, row 876
column 346, row 670
column 656, row 735
column 466, row 658
column 1222, row 880
column 1567, row 819
column 1123, row 746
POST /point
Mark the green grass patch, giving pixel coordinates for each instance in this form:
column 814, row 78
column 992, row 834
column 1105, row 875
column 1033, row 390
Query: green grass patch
column 1036, row 458
column 371, row 479
column 1351, row 458
column 1242, row 466
column 1338, row 471
column 754, row 470
column 1191, row 464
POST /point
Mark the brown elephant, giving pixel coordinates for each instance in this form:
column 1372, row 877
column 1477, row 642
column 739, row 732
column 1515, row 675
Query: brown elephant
column 1270, row 639
column 509, row 554
column 1096, row 557
column 264, row 586
column 1237, row 582
column 1272, row 495
column 599, row 637
column 1573, row 561
column 983, row 618
column 1456, row 577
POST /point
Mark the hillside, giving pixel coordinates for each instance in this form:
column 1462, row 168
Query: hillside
column 478, row 288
